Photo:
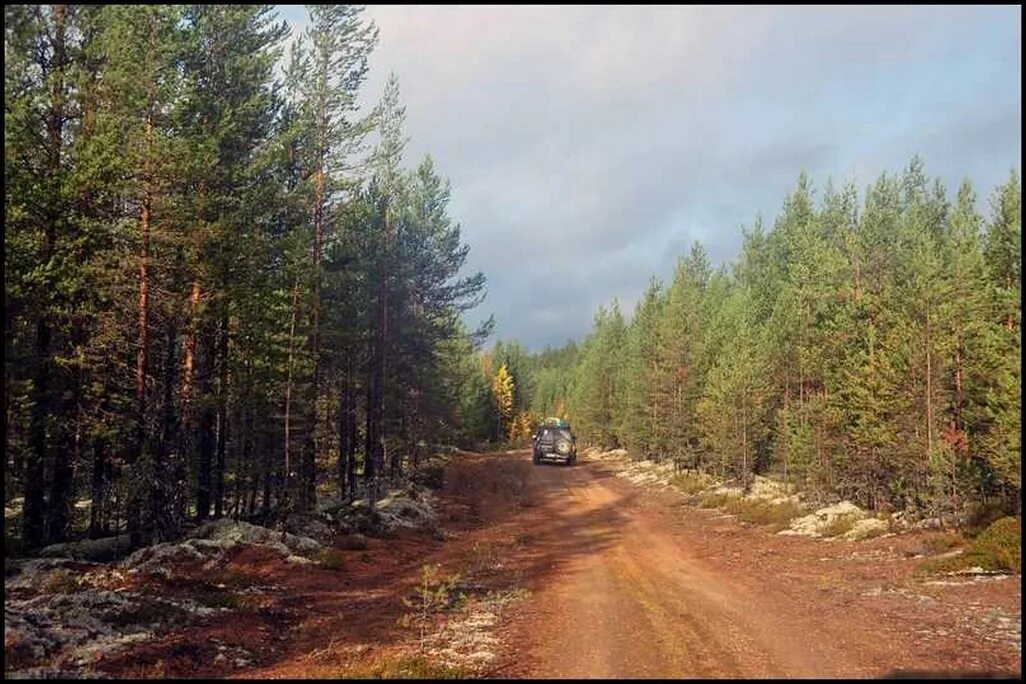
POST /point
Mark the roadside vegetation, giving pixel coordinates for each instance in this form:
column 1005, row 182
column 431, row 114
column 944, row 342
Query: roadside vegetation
column 864, row 349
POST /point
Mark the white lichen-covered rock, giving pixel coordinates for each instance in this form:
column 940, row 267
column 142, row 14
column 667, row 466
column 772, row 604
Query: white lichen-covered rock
column 212, row 542
column 814, row 524
column 232, row 532
column 400, row 509
column 37, row 573
column 866, row 528
column 78, row 625
column 316, row 527
column 157, row 559
column 103, row 549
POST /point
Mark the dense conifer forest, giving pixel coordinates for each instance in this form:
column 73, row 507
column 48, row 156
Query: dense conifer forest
column 228, row 293
column 866, row 348
column 225, row 294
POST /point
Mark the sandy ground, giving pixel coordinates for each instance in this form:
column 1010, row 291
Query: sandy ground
column 623, row 582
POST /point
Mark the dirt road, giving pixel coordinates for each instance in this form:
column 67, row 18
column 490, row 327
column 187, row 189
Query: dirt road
column 638, row 585
column 623, row 581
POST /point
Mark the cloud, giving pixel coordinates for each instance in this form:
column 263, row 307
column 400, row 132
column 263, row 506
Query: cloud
column 589, row 146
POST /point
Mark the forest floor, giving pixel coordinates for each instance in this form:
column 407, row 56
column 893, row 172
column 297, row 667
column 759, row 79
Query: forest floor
column 574, row 572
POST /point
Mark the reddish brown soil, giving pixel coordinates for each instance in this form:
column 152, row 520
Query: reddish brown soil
column 626, row 582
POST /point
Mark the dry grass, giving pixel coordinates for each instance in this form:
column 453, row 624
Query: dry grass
column 716, row 499
column 690, row 483
column 409, row 667
column 332, row 559
column 842, row 524
column 753, row 510
column 352, row 542
column 60, row 581
column 941, row 542
column 763, row 512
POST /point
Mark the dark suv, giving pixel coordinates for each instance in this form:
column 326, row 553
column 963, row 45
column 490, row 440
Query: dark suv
column 553, row 440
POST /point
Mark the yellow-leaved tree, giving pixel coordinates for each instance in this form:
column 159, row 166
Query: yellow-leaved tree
column 502, row 390
column 520, row 427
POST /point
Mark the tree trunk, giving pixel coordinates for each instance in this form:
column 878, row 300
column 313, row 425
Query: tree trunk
column 206, row 432
column 222, row 413
column 160, row 515
column 350, row 424
column 35, row 507
column 98, row 490
column 288, row 392
column 186, row 431
column 343, row 434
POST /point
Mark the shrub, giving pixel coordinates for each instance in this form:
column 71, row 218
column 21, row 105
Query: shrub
column 980, row 516
column 434, row 594
column 999, row 547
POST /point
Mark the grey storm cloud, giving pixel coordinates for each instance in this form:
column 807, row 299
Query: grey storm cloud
column 588, row 147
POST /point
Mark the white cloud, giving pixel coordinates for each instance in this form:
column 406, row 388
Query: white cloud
column 616, row 135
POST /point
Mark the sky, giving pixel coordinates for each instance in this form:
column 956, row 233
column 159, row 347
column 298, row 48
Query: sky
column 589, row 146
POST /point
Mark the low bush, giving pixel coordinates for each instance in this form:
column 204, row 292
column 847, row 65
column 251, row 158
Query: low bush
column 980, row 516
column 999, row 547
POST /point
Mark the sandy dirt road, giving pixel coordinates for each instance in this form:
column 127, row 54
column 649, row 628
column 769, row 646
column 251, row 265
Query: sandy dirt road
column 642, row 586
column 624, row 581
